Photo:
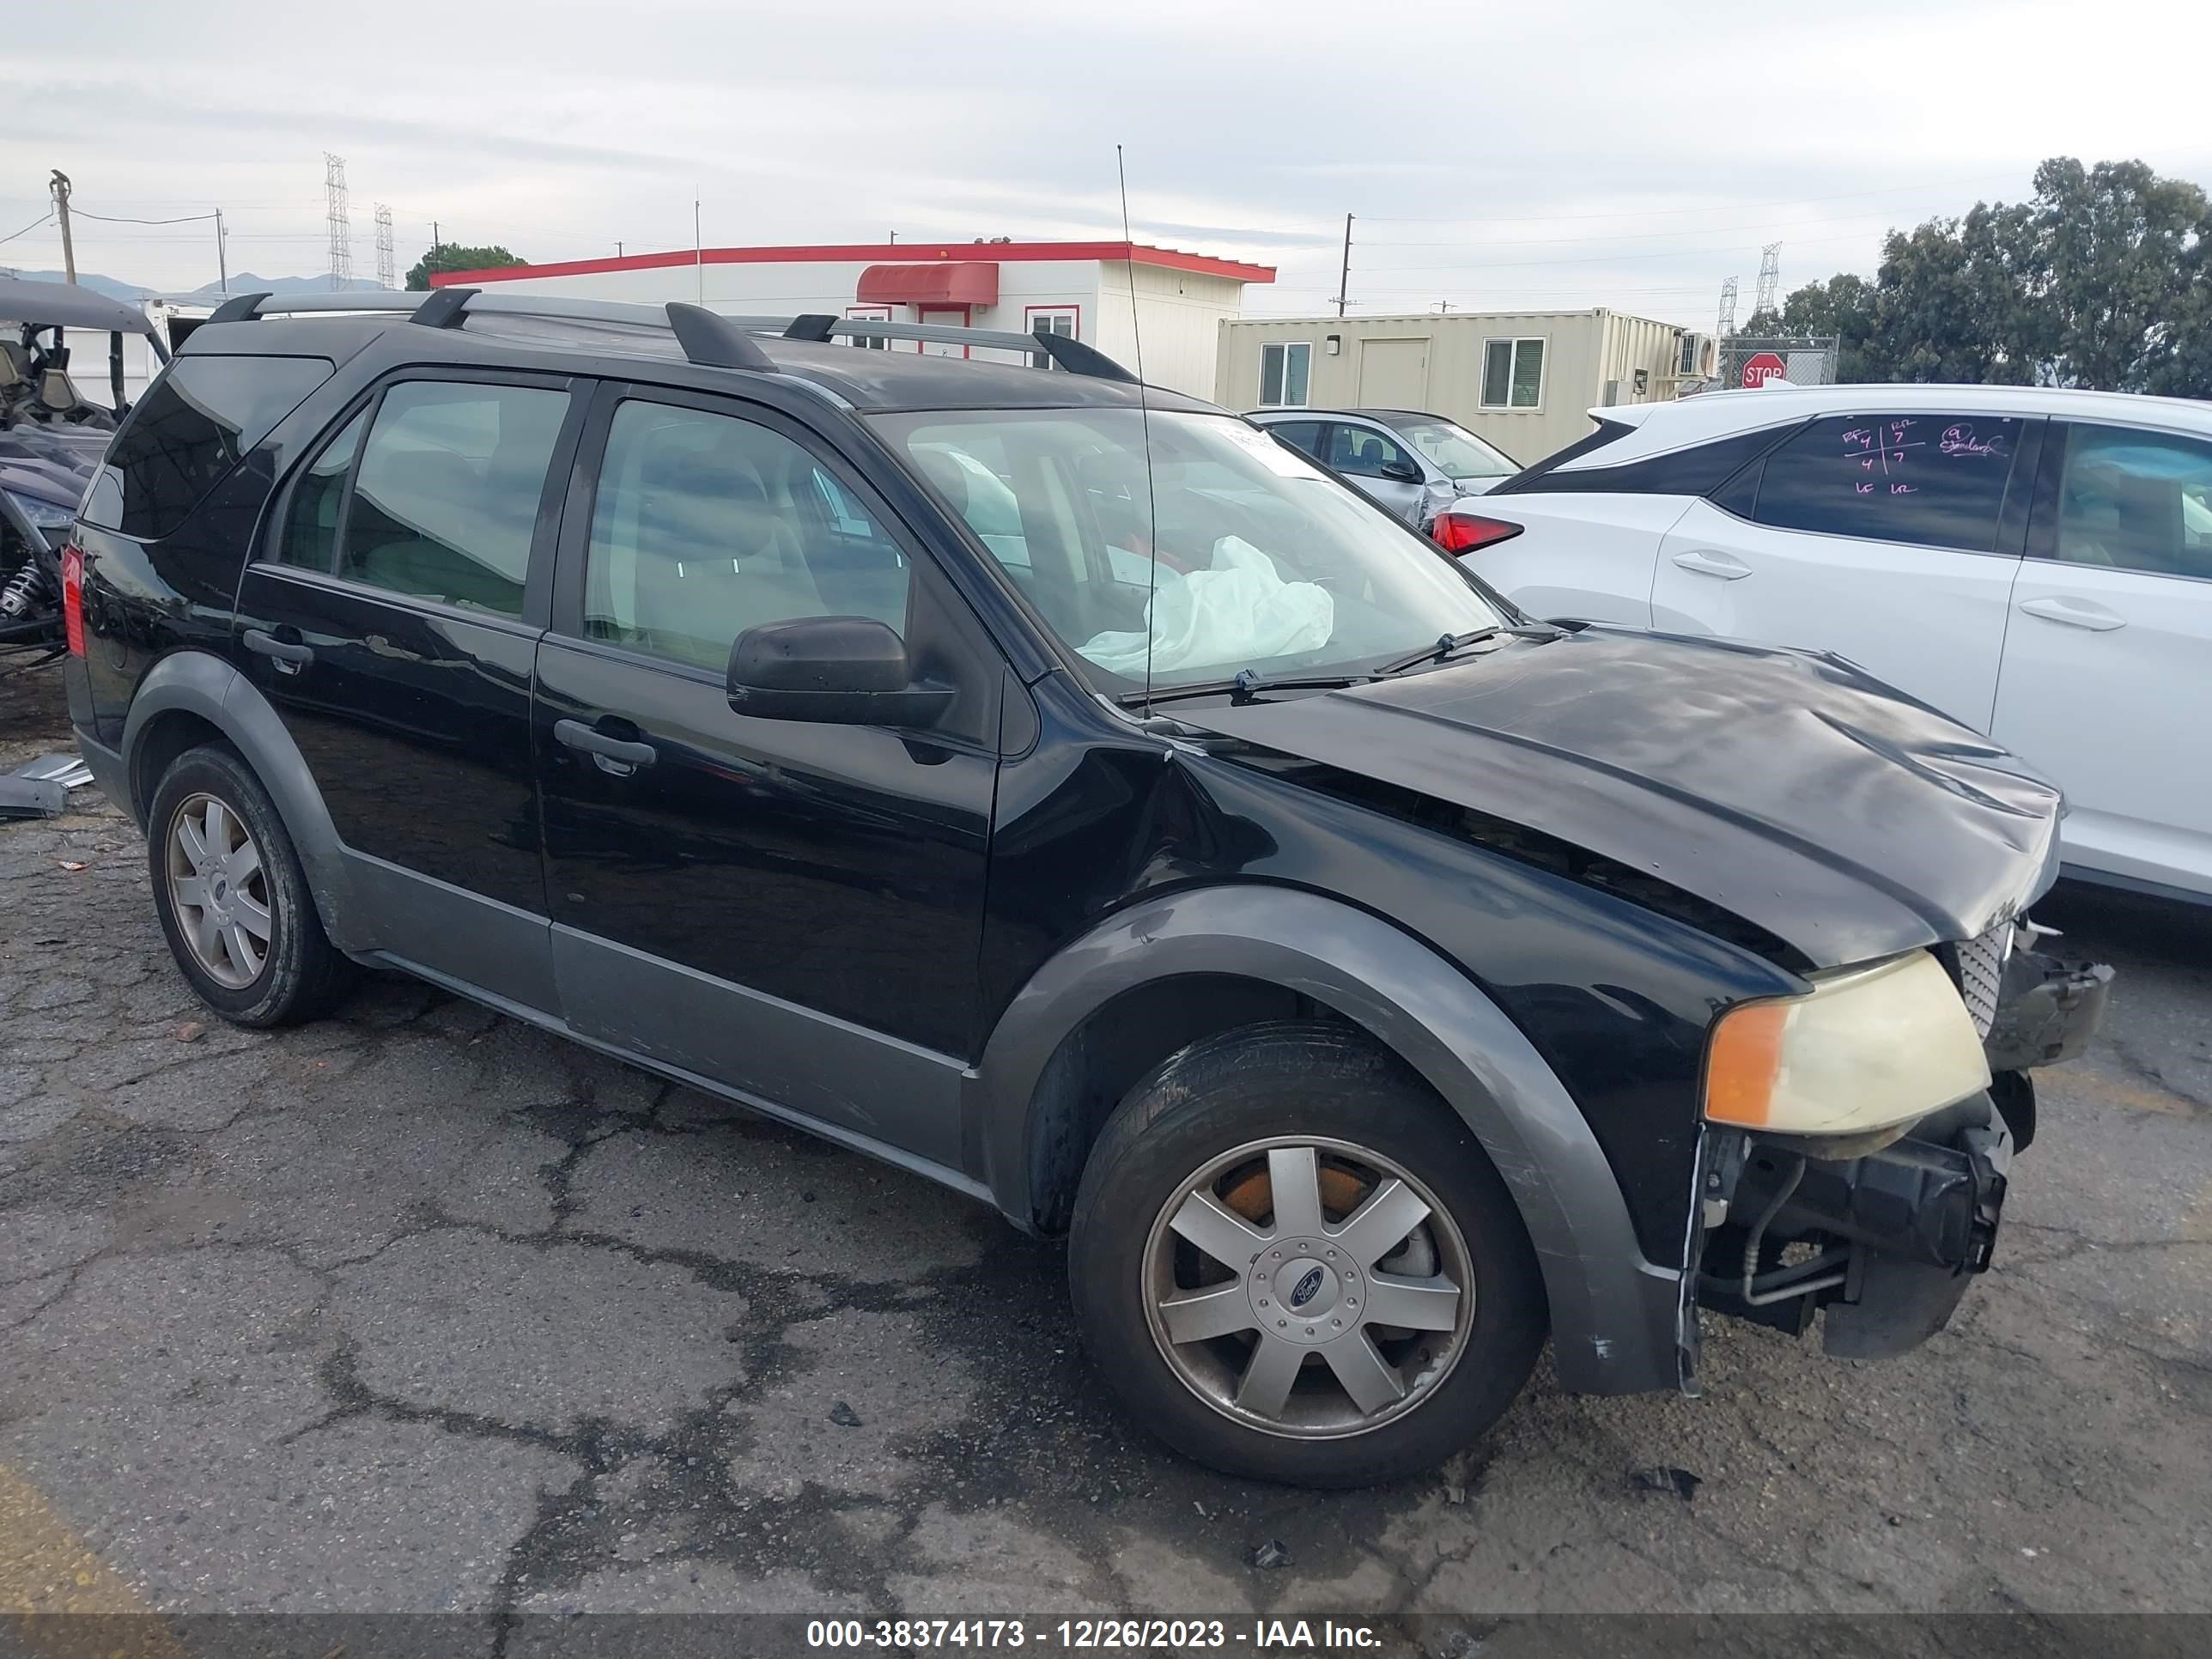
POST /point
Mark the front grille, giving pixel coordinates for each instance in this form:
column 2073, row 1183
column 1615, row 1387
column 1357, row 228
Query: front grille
column 1981, row 974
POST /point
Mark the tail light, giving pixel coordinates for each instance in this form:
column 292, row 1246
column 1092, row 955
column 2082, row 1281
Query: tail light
column 73, row 598
column 1459, row 533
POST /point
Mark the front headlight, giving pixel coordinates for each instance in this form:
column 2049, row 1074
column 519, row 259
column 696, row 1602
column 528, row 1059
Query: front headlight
column 46, row 515
column 1868, row 1049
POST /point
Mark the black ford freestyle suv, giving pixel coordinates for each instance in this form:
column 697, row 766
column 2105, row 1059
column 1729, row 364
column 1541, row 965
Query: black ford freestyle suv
column 1369, row 980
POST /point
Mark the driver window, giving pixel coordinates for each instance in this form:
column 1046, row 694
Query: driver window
column 705, row 525
column 2137, row 500
column 1361, row 451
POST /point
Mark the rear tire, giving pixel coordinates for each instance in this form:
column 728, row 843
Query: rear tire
column 232, row 898
column 1216, row 1356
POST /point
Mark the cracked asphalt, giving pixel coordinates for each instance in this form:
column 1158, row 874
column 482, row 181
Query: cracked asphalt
column 418, row 1310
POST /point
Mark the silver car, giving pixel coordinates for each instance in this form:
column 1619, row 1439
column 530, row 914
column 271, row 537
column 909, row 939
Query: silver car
column 1415, row 464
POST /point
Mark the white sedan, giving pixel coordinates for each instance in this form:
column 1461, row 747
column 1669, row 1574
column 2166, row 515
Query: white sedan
column 2037, row 563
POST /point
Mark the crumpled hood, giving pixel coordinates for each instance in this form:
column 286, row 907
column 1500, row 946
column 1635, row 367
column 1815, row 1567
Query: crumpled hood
column 1791, row 789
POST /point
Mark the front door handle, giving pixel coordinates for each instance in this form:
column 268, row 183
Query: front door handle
column 2074, row 613
column 290, row 655
column 615, row 755
column 1727, row 568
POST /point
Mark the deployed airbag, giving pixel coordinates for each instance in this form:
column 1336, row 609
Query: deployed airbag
column 1238, row 611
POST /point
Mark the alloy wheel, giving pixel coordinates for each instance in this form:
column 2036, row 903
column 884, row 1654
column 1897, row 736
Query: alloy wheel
column 1310, row 1288
column 220, row 892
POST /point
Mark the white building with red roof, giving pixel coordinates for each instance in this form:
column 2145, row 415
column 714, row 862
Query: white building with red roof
column 1079, row 289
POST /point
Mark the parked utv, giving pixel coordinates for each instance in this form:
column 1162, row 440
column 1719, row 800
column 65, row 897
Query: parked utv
column 50, row 442
column 1062, row 790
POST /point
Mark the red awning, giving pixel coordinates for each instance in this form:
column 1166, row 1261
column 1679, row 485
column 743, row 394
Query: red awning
column 950, row 282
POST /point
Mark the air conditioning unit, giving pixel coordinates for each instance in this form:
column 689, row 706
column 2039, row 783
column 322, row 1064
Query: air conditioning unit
column 1698, row 358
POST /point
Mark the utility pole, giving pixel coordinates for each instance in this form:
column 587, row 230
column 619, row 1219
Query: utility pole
column 698, row 252
column 618, row 252
column 61, row 189
column 221, row 254
column 1344, row 276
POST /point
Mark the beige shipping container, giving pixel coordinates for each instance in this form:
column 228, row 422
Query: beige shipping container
column 1524, row 380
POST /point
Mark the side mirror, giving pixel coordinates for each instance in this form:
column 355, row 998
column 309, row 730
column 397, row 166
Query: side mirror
column 1401, row 470
column 840, row 671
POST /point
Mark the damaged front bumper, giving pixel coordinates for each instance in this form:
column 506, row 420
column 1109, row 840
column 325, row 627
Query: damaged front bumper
column 1886, row 1239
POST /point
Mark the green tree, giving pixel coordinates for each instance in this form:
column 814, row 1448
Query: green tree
column 452, row 255
column 2103, row 278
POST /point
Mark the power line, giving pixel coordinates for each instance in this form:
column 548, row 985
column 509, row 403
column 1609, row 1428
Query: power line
column 116, row 219
column 42, row 218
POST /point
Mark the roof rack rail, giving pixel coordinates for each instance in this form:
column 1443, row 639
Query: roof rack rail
column 1043, row 347
column 710, row 338
column 706, row 337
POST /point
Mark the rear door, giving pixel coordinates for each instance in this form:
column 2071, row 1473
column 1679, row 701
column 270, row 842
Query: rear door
column 393, row 620
column 2108, row 660
column 1881, row 536
column 789, row 909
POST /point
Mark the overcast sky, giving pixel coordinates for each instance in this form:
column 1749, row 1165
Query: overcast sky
column 1624, row 153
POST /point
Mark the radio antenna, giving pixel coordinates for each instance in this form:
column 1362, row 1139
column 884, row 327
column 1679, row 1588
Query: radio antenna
column 1145, row 421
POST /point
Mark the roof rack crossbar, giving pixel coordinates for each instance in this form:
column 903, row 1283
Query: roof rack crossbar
column 1043, row 349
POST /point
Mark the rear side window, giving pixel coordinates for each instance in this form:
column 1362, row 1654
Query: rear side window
column 1304, row 436
column 1697, row 470
column 189, row 430
column 1361, row 451
column 1932, row 480
column 443, row 501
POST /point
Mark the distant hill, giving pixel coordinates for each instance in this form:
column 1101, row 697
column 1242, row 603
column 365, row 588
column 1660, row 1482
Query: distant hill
column 243, row 283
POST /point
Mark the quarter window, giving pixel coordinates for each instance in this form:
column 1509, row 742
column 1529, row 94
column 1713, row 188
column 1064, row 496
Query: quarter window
column 445, row 501
column 1513, row 374
column 706, row 525
column 189, row 430
column 1285, row 368
column 2136, row 500
column 1933, row 480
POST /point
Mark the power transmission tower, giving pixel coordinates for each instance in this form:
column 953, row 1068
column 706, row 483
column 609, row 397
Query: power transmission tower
column 1726, row 325
column 334, row 198
column 387, row 265
column 1770, row 278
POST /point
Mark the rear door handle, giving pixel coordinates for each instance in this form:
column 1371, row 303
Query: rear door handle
column 615, row 755
column 1723, row 565
column 2074, row 613
column 291, row 656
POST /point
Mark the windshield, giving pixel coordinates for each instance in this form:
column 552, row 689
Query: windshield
column 1259, row 560
column 1458, row 453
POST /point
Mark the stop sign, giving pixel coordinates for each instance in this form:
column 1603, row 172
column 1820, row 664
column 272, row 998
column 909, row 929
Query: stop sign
column 1761, row 366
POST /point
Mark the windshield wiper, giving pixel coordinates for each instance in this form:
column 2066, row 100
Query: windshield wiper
column 1443, row 649
column 1248, row 685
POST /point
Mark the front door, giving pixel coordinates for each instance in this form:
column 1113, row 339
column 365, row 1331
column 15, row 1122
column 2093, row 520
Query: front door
column 788, row 909
column 2108, row 661
column 1877, row 536
column 1368, row 456
column 393, row 620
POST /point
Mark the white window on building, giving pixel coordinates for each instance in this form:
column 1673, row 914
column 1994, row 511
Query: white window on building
column 870, row 314
column 1513, row 374
column 1284, row 368
column 1055, row 320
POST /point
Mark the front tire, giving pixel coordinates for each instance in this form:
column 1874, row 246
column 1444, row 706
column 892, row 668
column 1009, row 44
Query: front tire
column 1295, row 1263
column 232, row 897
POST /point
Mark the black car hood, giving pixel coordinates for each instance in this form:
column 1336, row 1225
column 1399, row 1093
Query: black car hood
column 1791, row 789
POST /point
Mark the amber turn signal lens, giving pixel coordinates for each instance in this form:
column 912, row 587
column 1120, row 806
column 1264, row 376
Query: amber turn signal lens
column 1744, row 1063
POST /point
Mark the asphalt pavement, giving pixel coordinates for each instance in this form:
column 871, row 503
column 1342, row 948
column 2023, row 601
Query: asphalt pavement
column 416, row 1310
